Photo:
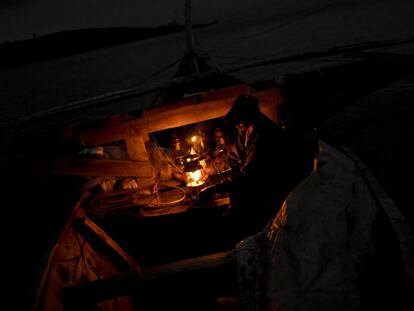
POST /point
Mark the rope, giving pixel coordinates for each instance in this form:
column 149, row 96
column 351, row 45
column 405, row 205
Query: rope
column 130, row 202
column 166, row 157
column 161, row 70
column 298, row 17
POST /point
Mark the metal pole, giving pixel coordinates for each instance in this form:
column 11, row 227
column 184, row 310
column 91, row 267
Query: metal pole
column 190, row 38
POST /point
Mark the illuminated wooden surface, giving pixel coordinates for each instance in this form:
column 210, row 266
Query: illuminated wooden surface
column 135, row 132
column 95, row 167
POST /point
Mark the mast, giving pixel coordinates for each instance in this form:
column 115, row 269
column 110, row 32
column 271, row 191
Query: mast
column 189, row 36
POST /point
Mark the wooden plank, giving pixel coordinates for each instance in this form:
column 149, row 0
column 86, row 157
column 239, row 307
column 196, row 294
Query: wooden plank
column 176, row 117
column 95, row 167
column 93, row 292
column 136, row 147
column 166, row 117
column 48, row 267
column 64, row 269
column 188, row 265
column 205, row 97
column 160, row 119
column 133, row 127
column 100, row 240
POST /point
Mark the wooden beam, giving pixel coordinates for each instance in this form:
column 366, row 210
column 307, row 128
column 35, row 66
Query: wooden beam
column 103, row 243
column 136, row 147
column 176, row 117
column 48, row 267
column 94, row 292
column 214, row 105
column 188, row 265
column 95, row 167
column 136, row 126
column 170, row 117
column 161, row 119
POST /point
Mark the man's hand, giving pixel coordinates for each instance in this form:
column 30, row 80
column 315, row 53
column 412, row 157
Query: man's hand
column 206, row 173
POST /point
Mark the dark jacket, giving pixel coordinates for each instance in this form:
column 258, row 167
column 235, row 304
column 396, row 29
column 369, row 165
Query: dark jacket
column 268, row 169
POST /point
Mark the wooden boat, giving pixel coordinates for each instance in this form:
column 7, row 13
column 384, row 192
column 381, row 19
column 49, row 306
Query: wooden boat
column 88, row 269
column 85, row 257
column 148, row 259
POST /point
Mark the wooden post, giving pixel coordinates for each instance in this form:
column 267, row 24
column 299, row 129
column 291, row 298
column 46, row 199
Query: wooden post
column 136, row 147
column 190, row 38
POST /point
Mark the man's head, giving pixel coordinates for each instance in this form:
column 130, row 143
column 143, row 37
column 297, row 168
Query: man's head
column 245, row 111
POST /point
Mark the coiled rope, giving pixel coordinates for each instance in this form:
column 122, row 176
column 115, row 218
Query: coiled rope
column 133, row 201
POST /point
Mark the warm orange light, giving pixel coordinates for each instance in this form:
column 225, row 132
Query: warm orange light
column 203, row 163
column 194, row 178
column 197, row 141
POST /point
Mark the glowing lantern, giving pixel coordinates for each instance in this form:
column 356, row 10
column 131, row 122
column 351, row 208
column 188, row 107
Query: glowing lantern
column 193, row 173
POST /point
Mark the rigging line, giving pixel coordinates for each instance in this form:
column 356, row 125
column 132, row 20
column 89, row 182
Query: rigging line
column 205, row 53
column 165, row 155
column 304, row 15
column 161, row 70
column 139, row 90
column 338, row 50
column 208, row 54
column 212, row 59
column 197, row 41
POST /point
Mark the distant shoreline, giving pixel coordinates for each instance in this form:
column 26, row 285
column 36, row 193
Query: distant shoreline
column 66, row 43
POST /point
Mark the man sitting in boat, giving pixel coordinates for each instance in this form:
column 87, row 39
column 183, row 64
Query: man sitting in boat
column 262, row 164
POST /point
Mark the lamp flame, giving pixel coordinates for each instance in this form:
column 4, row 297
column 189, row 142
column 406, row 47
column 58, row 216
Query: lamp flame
column 194, row 178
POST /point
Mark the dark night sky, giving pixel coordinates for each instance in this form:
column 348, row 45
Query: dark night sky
column 21, row 19
column 247, row 30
